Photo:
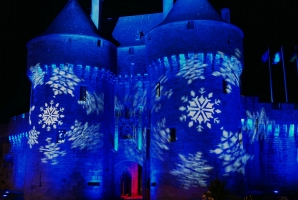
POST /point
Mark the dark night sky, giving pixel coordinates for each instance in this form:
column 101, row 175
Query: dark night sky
column 264, row 23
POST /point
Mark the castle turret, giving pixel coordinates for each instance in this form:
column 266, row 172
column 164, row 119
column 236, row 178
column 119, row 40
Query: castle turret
column 70, row 67
column 195, row 63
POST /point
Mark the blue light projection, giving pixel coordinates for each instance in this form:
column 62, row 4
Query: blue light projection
column 191, row 68
column 85, row 136
column 160, row 140
column 163, row 93
column 94, row 103
column 192, row 171
column 36, row 75
column 230, row 69
column 254, row 123
column 63, row 80
column 30, row 111
column 51, row 152
column 231, row 152
column 17, row 138
column 33, row 137
column 51, row 115
column 200, row 109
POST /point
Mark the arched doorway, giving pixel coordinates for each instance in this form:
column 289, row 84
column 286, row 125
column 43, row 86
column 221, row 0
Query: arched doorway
column 128, row 180
column 125, row 184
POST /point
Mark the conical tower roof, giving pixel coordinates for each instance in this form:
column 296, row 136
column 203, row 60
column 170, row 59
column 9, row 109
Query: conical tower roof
column 185, row 10
column 72, row 20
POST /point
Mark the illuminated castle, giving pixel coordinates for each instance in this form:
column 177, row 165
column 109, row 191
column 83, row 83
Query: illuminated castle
column 157, row 117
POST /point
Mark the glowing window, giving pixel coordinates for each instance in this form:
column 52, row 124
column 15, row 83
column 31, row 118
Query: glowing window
column 60, row 135
column 83, row 93
column 249, row 124
column 172, row 135
column 269, row 128
column 131, row 50
column 291, row 130
column 276, row 130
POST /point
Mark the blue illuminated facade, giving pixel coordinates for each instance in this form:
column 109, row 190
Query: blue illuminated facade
column 158, row 116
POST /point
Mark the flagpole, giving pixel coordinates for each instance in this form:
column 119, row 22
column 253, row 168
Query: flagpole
column 270, row 77
column 284, row 72
column 296, row 52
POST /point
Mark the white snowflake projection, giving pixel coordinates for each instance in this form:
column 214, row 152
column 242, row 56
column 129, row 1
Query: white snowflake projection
column 36, row 75
column 256, row 124
column 191, row 68
column 84, row 136
column 232, row 153
column 94, row 103
column 63, row 81
column 230, row 70
column 30, row 111
column 139, row 97
column 160, row 92
column 192, row 171
column 161, row 135
column 51, row 114
column 200, row 110
column 33, row 137
column 51, row 152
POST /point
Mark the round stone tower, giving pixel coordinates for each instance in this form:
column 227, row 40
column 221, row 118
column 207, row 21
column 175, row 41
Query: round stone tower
column 195, row 63
column 69, row 66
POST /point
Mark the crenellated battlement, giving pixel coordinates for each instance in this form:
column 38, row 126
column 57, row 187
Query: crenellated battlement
column 197, row 65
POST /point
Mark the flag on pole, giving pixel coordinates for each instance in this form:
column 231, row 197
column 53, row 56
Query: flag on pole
column 265, row 56
column 276, row 58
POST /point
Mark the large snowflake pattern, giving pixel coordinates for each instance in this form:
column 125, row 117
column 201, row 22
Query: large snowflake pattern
column 232, row 153
column 84, row 136
column 36, row 75
column 192, row 171
column 200, row 109
column 63, row 81
column 93, row 104
column 51, row 152
column 33, row 137
column 230, row 70
column 50, row 115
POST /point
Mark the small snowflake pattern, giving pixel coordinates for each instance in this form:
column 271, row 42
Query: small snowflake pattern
column 84, row 136
column 33, row 137
column 160, row 138
column 231, row 152
column 51, row 115
column 230, row 70
column 191, row 68
column 200, row 110
column 192, row 170
column 51, row 152
column 63, row 81
column 93, row 103
column 159, row 92
column 36, row 75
